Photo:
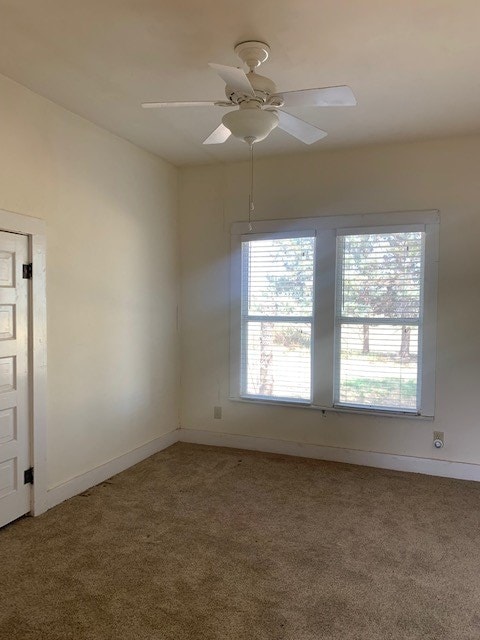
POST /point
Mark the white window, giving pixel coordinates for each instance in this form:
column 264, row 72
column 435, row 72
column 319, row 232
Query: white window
column 336, row 312
column 277, row 316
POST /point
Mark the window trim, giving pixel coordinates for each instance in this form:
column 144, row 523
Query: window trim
column 326, row 229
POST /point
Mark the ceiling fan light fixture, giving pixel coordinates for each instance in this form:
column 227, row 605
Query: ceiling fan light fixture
column 250, row 124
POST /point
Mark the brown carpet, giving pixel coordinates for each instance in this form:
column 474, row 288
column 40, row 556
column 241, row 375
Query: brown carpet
column 206, row 543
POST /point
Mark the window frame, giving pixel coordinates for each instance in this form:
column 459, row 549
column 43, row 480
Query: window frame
column 326, row 229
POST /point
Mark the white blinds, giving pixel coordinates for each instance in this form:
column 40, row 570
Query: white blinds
column 277, row 309
column 379, row 319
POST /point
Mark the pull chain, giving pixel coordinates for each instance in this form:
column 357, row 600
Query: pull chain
column 251, row 206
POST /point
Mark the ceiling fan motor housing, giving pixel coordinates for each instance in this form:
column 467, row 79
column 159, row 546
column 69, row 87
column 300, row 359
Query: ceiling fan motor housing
column 262, row 86
column 250, row 122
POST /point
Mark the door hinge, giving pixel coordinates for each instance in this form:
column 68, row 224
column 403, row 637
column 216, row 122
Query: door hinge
column 28, row 476
column 27, row 271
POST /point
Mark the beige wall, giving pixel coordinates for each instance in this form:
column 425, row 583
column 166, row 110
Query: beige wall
column 112, row 278
column 440, row 175
column 111, row 212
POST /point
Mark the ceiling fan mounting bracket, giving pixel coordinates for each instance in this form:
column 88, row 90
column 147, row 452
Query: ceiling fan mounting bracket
column 275, row 101
column 252, row 52
column 238, row 98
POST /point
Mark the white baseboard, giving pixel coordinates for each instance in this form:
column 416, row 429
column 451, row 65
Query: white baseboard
column 428, row 466
column 85, row 481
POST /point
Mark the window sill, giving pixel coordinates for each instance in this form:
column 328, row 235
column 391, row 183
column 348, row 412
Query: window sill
column 299, row 404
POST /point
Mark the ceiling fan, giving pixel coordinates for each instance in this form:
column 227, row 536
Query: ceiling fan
column 259, row 103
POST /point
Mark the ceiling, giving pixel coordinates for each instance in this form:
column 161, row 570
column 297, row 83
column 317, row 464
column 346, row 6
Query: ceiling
column 413, row 65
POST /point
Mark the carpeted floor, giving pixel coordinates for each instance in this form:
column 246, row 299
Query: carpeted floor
column 206, row 543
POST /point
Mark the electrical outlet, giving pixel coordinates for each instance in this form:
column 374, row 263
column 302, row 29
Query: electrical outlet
column 438, row 439
column 217, row 413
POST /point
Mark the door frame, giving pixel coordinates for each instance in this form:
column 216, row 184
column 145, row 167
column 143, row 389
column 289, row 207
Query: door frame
column 35, row 230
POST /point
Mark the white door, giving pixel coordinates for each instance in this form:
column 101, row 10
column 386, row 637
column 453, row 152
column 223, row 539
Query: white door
column 14, row 381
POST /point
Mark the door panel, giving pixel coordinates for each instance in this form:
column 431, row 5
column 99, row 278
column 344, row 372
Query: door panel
column 14, row 382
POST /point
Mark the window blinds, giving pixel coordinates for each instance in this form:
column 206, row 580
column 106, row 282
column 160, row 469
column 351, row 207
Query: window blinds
column 379, row 319
column 277, row 309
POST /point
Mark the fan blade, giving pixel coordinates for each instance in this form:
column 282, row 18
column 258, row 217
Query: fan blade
column 327, row 97
column 221, row 134
column 235, row 78
column 166, row 105
column 300, row 129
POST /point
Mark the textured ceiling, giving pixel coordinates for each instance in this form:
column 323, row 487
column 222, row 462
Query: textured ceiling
column 413, row 65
